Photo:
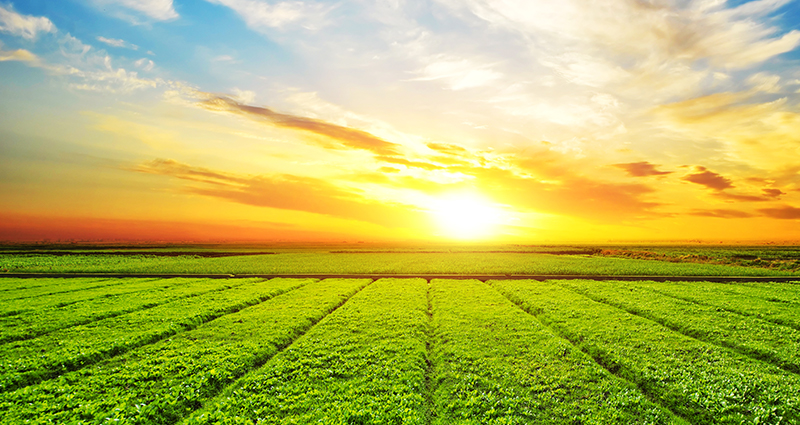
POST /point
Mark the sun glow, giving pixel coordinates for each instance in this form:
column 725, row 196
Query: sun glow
column 466, row 216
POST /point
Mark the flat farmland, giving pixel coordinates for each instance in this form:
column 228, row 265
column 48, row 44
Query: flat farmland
column 397, row 351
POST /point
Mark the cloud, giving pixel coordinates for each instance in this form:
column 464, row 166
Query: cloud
column 772, row 193
column 458, row 74
column 261, row 15
column 114, row 42
column 654, row 31
column 721, row 213
column 145, row 64
column 641, row 169
column 348, row 137
column 21, row 55
column 24, row 26
column 160, row 10
column 288, row 192
column 708, row 179
column 785, row 212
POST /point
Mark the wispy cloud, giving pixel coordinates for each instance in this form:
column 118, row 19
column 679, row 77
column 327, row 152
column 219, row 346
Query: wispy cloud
column 159, row 10
column 721, row 213
column 347, row 137
column 24, row 26
column 784, row 212
column 115, row 42
column 641, row 169
column 261, row 15
column 288, row 192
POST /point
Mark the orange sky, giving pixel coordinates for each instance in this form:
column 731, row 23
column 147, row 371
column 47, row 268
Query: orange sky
column 471, row 120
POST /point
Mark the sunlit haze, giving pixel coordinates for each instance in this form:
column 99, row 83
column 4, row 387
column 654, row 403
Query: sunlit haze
column 443, row 120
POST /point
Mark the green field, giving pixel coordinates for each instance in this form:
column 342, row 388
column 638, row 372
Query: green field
column 551, row 260
column 397, row 351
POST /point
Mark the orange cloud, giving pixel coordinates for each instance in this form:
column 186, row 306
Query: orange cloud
column 641, row 169
column 286, row 192
column 785, row 212
column 346, row 136
column 721, row 213
column 709, row 179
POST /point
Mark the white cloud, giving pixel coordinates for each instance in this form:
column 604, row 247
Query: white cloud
column 458, row 74
column 115, row 42
column 261, row 15
column 145, row 64
column 24, row 26
column 764, row 82
column 160, row 10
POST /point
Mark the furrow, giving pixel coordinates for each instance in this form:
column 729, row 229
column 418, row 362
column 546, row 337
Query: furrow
column 364, row 363
column 611, row 369
column 780, row 315
column 697, row 380
column 430, row 367
column 496, row 364
column 33, row 324
column 34, row 360
column 758, row 339
column 159, row 383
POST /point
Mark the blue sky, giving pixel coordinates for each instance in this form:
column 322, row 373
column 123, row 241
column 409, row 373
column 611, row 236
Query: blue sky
column 637, row 120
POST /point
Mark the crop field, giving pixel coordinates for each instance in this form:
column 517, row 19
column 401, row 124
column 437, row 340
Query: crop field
column 397, row 351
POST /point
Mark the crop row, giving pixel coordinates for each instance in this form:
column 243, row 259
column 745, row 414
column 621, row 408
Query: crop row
column 784, row 313
column 365, row 363
column 35, row 322
column 747, row 334
column 11, row 288
column 162, row 382
column 29, row 361
column 699, row 381
column 495, row 364
column 36, row 298
column 404, row 351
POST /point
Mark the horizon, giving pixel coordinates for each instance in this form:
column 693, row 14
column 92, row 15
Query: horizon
column 441, row 122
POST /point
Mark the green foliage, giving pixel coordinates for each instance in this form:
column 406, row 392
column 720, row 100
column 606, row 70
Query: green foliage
column 29, row 361
column 63, row 310
column 162, row 382
column 396, row 262
column 749, row 335
column 495, row 364
column 702, row 382
column 780, row 307
column 363, row 364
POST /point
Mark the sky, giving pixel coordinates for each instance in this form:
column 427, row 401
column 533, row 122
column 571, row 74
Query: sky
column 514, row 121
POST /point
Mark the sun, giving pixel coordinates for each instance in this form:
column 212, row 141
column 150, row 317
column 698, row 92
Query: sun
column 466, row 216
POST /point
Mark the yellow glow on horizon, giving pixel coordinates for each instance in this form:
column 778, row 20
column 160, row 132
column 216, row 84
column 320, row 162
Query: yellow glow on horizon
column 466, row 216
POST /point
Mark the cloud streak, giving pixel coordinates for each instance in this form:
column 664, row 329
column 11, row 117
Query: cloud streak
column 286, row 192
column 347, row 137
column 641, row 169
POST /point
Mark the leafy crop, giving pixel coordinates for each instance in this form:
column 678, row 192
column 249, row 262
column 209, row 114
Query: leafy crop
column 75, row 309
column 29, row 361
column 495, row 364
column 160, row 383
column 363, row 364
column 702, row 382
